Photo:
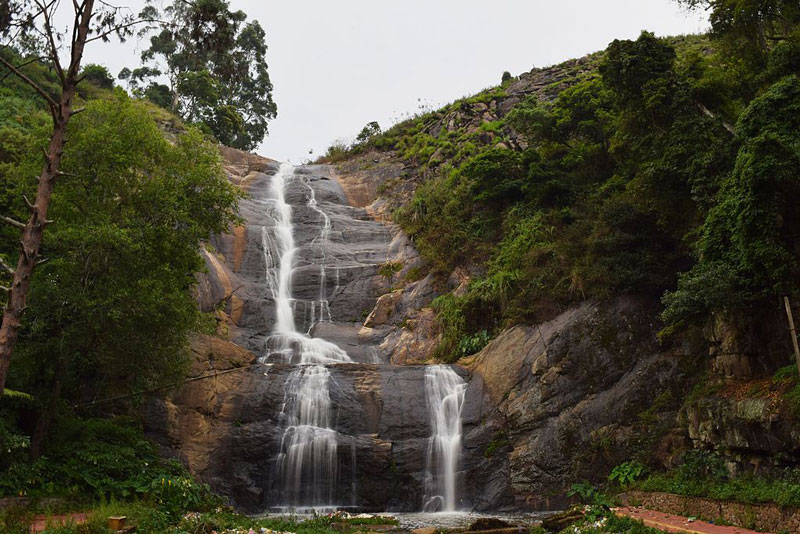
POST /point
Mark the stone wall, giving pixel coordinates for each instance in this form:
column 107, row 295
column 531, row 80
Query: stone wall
column 763, row 517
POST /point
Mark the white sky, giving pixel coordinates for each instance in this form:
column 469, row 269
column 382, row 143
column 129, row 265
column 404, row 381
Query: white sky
column 338, row 64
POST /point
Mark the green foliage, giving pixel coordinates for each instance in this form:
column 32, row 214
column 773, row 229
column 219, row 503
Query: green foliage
column 131, row 211
column 389, row 269
column 792, row 399
column 103, row 459
column 471, row 344
column 15, row 520
column 709, row 480
column 368, row 132
column 463, row 321
column 214, row 61
column 746, row 247
column 338, row 151
column 499, row 441
column 637, row 70
column 626, row 473
column 589, row 494
column 98, row 75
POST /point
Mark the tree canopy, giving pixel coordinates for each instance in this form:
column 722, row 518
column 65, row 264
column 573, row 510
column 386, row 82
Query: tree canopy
column 214, row 63
column 111, row 308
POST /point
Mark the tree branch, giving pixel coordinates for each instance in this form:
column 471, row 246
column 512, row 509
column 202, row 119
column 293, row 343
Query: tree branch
column 118, row 28
column 6, row 267
column 31, row 206
column 12, row 222
column 725, row 124
column 51, row 39
column 21, row 65
column 34, row 85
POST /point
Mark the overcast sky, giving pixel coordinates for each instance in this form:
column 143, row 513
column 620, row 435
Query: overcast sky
column 338, row 64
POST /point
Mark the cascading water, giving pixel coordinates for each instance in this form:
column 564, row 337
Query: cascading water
column 444, row 390
column 321, row 241
column 307, row 466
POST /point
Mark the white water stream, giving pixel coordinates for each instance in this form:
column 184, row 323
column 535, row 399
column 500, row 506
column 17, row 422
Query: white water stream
column 307, row 466
column 444, row 390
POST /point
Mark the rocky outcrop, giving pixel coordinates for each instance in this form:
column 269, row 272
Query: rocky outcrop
column 561, row 401
column 752, row 433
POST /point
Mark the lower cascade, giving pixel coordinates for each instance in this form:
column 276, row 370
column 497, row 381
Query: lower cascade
column 307, row 465
column 314, row 466
column 444, row 390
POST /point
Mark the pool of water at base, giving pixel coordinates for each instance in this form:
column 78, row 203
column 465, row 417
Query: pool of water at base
column 410, row 521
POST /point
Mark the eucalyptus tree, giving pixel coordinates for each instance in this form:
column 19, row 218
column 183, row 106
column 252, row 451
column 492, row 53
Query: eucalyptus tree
column 213, row 62
column 30, row 25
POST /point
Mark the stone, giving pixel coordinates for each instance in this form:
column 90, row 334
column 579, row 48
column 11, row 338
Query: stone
column 425, row 530
column 489, row 523
column 560, row 521
column 384, row 309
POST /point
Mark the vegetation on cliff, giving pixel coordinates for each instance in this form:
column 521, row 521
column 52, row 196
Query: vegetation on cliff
column 662, row 167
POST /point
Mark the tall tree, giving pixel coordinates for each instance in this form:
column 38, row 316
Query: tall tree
column 30, row 22
column 751, row 28
column 110, row 312
column 214, row 64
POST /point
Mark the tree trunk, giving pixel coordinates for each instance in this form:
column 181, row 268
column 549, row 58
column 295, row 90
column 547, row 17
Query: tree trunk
column 32, row 232
column 43, row 422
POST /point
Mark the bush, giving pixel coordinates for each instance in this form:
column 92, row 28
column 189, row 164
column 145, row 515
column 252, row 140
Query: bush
column 626, row 473
column 104, row 459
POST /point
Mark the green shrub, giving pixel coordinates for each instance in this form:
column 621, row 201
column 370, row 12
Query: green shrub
column 469, row 345
column 103, row 459
column 626, row 473
column 390, row 268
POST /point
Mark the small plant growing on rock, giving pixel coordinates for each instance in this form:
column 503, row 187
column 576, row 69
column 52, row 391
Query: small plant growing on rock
column 626, row 473
column 389, row 269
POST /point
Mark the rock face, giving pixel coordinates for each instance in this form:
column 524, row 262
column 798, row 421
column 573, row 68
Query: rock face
column 558, row 401
column 226, row 425
column 545, row 405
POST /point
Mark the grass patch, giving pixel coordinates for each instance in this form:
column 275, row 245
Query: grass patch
column 704, row 474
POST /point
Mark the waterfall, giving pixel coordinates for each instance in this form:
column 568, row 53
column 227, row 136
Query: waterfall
column 321, row 241
column 444, row 391
column 307, row 466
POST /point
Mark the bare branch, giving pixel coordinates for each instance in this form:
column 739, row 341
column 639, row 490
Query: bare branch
column 120, row 27
column 11, row 221
column 28, row 203
column 6, row 267
column 21, row 65
column 34, row 85
column 43, row 260
column 51, row 39
column 6, row 289
column 708, row 113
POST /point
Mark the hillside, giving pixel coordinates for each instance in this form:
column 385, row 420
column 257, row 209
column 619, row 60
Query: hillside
column 571, row 286
column 611, row 201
